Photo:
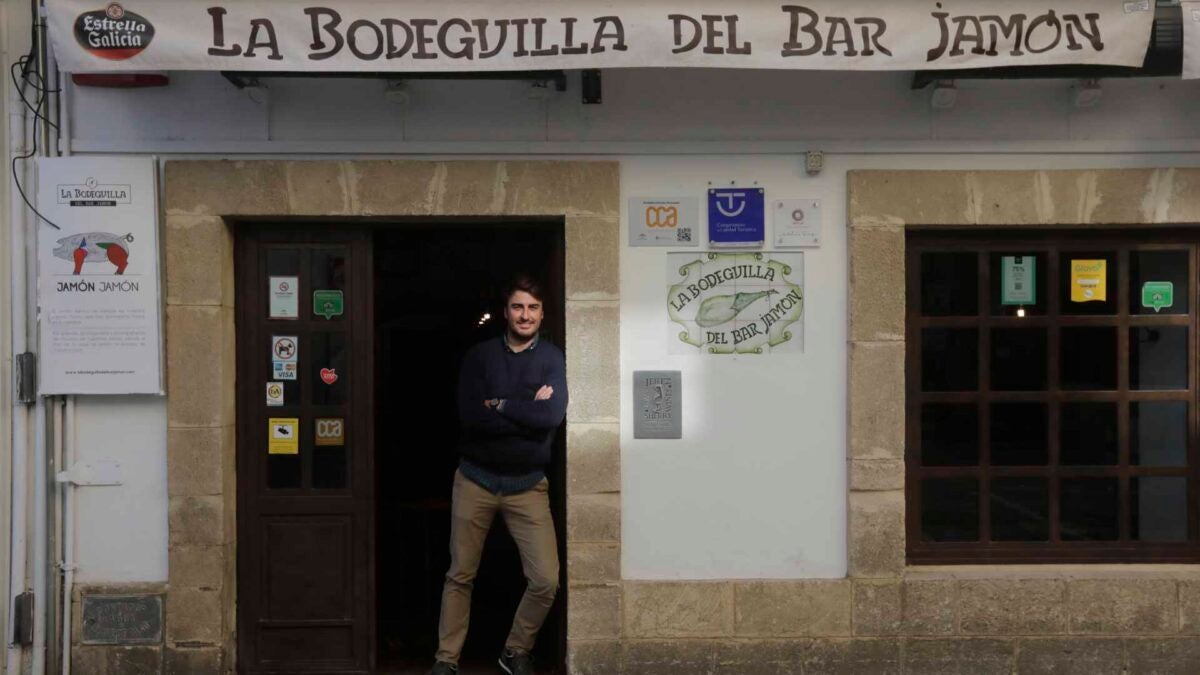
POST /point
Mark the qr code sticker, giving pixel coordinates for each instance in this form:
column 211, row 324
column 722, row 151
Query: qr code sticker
column 683, row 234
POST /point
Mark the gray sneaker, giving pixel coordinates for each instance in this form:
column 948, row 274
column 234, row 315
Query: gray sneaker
column 516, row 663
column 443, row 668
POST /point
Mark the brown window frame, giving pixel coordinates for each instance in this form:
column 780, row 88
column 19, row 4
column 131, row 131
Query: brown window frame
column 1051, row 243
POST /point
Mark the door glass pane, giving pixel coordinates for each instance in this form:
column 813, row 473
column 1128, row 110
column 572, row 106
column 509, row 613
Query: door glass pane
column 1025, row 277
column 283, row 472
column 1088, row 434
column 949, row 434
column 1159, row 507
column 949, row 284
column 1089, row 509
column 950, row 510
column 329, row 467
column 1019, row 434
column 1087, row 283
column 328, row 268
column 1018, row 359
column 1148, row 272
column 950, row 359
column 1158, row 432
column 285, row 340
column 283, row 262
column 1158, row 357
column 1088, row 358
column 1020, row 509
column 329, row 368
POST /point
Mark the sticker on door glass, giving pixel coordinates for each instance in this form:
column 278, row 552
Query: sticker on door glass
column 1158, row 295
column 1018, row 279
column 329, row 375
column 330, row 431
column 328, row 303
column 274, row 394
column 1089, row 280
column 282, row 437
column 285, row 297
column 285, row 353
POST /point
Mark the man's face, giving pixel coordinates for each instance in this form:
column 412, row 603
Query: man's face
column 523, row 314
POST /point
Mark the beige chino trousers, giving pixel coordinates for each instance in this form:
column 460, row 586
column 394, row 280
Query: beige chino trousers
column 528, row 518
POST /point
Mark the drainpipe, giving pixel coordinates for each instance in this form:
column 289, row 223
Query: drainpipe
column 68, row 536
column 18, row 116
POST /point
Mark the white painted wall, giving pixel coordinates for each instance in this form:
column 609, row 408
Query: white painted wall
column 757, row 487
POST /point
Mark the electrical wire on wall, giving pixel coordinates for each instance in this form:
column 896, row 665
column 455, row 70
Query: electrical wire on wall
column 24, row 77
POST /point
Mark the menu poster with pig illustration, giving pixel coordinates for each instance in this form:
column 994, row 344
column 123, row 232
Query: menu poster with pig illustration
column 735, row 303
column 98, row 276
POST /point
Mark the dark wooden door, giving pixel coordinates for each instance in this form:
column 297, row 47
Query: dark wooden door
column 305, row 559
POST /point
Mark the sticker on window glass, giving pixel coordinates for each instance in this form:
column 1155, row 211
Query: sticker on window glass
column 327, row 303
column 329, row 375
column 330, row 431
column 1089, row 280
column 1158, row 295
column 285, row 297
column 285, row 353
column 282, row 438
column 1018, row 280
column 274, row 394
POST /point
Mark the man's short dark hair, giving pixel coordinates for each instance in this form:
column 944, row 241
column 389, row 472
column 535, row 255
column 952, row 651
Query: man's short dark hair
column 524, row 282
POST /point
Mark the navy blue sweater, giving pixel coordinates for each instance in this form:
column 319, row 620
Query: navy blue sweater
column 515, row 440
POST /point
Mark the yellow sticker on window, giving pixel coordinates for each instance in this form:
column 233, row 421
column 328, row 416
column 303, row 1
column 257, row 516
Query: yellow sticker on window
column 282, row 436
column 1089, row 280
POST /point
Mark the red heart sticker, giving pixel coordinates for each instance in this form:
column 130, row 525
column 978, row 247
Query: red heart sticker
column 328, row 375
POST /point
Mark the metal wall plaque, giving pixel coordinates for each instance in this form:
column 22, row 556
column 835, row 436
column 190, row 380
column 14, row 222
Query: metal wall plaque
column 656, row 412
column 122, row 619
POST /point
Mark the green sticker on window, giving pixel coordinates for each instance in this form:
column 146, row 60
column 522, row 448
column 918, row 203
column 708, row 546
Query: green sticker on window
column 327, row 303
column 1158, row 294
column 1018, row 280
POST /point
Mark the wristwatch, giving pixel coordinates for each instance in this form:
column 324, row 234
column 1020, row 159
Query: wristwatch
column 494, row 403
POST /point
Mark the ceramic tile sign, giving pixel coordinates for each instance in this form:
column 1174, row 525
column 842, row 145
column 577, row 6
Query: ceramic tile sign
column 1158, row 295
column 735, row 303
column 1089, row 280
column 285, row 356
column 328, row 303
column 283, row 436
column 797, row 222
column 736, row 217
column 285, row 297
column 1018, row 280
column 656, row 412
column 99, row 301
column 663, row 221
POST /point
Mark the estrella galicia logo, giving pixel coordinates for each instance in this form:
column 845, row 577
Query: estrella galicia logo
column 113, row 33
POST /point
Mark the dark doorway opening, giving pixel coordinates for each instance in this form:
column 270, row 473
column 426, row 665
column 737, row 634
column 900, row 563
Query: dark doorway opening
column 433, row 282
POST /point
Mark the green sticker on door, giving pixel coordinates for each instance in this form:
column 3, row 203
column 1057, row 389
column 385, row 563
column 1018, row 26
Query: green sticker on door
column 1157, row 295
column 327, row 303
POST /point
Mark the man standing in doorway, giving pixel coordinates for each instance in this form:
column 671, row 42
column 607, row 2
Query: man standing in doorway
column 512, row 396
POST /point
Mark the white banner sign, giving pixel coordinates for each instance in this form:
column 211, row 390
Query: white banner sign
column 429, row 35
column 1191, row 40
column 98, row 283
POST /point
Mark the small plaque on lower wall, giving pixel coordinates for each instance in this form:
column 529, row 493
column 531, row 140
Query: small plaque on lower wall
column 656, row 412
column 122, row 619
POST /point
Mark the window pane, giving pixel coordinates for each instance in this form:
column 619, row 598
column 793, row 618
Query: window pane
column 949, row 284
column 950, row 359
column 329, row 368
column 1084, row 278
column 1019, row 434
column 1089, row 509
column 329, row 467
column 1159, row 507
column 1158, row 432
column 1088, row 358
column 283, row 471
column 949, row 434
column 1022, row 278
column 283, row 262
column 1018, row 359
column 329, row 274
column 1020, row 509
column 1157, row 268
column 1088, row 434
column 1158, row 357
column 950, row 510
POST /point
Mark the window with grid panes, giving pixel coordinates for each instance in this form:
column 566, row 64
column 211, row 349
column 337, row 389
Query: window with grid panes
column 1051, row 397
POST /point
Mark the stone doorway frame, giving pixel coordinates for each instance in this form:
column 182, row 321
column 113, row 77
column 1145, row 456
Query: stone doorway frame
column 203, row 201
